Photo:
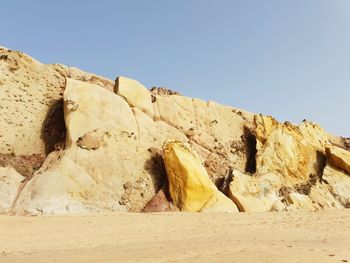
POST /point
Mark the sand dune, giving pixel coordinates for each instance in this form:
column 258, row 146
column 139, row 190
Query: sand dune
column 178, row 237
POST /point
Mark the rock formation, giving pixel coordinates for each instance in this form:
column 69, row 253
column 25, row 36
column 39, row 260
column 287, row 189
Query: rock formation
column 71, row 141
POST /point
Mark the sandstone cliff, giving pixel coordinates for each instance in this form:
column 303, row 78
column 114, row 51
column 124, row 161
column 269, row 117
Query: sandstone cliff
column 71, row 141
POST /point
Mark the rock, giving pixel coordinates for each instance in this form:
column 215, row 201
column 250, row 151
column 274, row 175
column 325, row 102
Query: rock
column 247, row 203
column 302, row 202
column 254, row 194
column 338, row 158
column 338, row 184
column 189, row 184
column 159, row 203
column 135, row 94
column 321, row 194
column 10, row 182
column 91, row 140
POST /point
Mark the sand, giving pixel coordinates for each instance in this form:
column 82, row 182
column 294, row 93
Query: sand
column 178, row 237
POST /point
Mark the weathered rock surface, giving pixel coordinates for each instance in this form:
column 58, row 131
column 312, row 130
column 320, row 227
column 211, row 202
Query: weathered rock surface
column 102, row 144
column 78, row 74
column 190, row 187
column 294, row 152
column 28, row 90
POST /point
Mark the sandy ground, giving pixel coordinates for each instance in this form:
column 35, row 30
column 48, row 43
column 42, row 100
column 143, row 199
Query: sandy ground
column 178, row 237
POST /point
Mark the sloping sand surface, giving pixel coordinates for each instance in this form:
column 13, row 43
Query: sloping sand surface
column 178, row 237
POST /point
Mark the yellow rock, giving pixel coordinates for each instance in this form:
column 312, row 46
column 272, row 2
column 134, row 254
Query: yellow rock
column 264, row 125
column 293, row 152
column 189, row 184
column 338, row 158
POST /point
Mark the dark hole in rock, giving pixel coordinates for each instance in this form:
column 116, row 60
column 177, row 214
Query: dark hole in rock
column 249, row 140
column 156, row 168
column 321, row 164
column 53, row 131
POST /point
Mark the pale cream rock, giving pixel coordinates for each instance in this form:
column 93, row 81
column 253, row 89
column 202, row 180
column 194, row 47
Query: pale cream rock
column 301, row 201
column 254, row 194
column 339, row 184
column 10, row 181
column 135, row 94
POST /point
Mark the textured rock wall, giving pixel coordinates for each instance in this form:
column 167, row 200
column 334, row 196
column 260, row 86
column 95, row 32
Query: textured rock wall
column 102, row 145
column 28, row 89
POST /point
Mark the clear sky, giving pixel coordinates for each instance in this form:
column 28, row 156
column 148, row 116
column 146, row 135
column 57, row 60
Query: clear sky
column 289, row 59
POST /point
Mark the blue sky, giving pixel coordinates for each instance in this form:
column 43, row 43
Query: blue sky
column 289, row 59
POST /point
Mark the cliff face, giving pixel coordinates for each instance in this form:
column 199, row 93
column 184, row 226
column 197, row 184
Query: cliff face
column 72, row 141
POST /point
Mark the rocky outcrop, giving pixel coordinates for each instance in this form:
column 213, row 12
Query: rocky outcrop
column 102, row 145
